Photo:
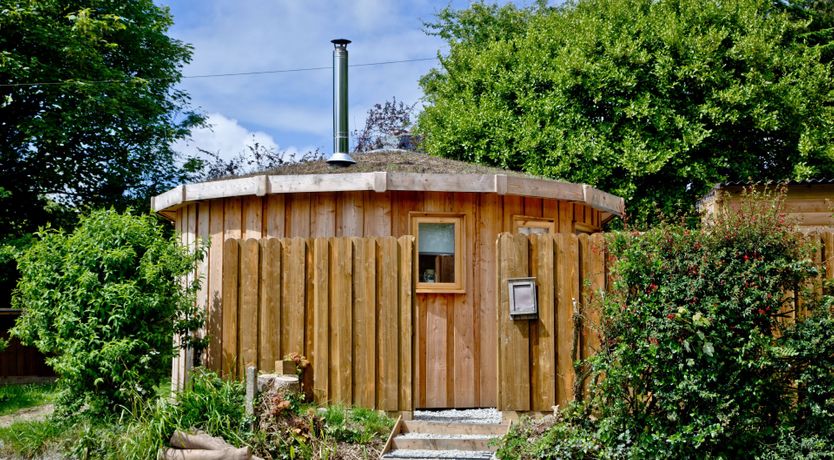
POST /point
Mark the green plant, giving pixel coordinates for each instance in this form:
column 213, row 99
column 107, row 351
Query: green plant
column 357, row 425
column 104, row 302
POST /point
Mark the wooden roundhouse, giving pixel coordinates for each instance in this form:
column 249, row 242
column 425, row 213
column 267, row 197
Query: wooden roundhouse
column 393, row 323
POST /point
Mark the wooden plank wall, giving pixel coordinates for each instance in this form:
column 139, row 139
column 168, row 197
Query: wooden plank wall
column 19, row 363
column 345, row 303
column 536, row 357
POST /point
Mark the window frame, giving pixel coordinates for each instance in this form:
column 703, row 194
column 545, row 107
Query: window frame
column 459, row 221
column 520, row 221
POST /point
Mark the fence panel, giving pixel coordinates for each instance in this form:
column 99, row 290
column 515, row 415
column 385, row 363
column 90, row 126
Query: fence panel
column 345, row 303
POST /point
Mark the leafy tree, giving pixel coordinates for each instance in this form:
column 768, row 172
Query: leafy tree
column 103, row 303
column 88, row 106
column 653, row 100
column 88, row 111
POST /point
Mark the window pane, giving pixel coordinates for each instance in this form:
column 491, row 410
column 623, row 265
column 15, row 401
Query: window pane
column 436, row 260
column 532, row 230
column 436, row 238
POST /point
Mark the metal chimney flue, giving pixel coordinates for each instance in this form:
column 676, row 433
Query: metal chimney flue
column 341, row 140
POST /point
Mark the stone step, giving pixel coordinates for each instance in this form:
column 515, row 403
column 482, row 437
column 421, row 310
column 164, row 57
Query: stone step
column 412, row 454
column 442, row 443
column 419, row 426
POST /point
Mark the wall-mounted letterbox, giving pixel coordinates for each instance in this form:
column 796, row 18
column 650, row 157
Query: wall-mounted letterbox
column 523, row 303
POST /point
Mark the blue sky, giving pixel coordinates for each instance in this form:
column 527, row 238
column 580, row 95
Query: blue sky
column 293, row 111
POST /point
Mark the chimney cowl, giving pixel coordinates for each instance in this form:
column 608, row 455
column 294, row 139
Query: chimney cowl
column 341, row 140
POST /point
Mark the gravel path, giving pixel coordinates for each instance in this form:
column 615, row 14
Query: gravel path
column 27, row 414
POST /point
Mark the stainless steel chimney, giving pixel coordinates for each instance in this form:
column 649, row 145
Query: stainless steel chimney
column 341, row 141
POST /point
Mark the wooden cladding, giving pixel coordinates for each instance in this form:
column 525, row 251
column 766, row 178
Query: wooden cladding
column 536, row 357
column 345, row 303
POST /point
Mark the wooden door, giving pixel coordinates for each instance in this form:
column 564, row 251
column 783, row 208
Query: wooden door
column 451, row 363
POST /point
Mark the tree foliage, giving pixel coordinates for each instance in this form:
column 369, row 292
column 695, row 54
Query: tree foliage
column 652, row 100
column 88, row 106
column 103, row 304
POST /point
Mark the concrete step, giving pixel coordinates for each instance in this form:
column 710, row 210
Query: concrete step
column 438, row 455
column 458, row 442
column 419, row 426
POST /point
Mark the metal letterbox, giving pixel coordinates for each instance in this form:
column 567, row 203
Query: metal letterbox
column 523, row 303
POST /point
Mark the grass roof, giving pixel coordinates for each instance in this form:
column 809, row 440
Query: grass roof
column 389, row 161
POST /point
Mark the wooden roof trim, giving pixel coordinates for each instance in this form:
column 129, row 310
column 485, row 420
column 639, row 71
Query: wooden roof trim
column 603, row 201
column 384, row 181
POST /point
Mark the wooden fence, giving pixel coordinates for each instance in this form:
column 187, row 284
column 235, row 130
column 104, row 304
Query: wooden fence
column 536, row 357
column 19, row 363
column 346, row 303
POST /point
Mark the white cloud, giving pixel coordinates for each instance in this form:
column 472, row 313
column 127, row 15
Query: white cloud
column 223, row 136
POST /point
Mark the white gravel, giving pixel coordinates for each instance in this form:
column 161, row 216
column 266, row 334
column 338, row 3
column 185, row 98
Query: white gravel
column 490, row 415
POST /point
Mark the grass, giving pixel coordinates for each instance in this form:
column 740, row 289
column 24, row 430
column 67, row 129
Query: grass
column 14, row 397
column 213, row 405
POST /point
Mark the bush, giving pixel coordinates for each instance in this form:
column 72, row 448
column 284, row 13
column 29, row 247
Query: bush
column 104, row 302
column 701, row 355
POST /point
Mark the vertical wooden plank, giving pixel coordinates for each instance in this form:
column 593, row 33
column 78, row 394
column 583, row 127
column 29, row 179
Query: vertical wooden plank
column 401, row 204
column 341, row 321
column 248, row 306
column 377, row 214
column 298, row 218
column 323, row 215
column 565, row 224
column 190, row 241
column 513, row 347
column 567, row 284
column 274, row 216
column 513, row 206
column 269, row 341
column 542, row 333
column 321, row 319
column 364, row 322
column 202, row 243
column 176, row 361
column 214, row 312
column 828, row 254
column 349, row 214
column 464, row 324
column 252, row 223
column 232, row 215
column 436, row 354
column 490, row 223
column 294, row 286
column 596, row 275
column 532, row 206
column 230, row 307
column 406, row 317
column 388, row 324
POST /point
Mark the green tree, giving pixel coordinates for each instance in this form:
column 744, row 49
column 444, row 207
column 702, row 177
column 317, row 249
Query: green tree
column 653, row 100
column 88, row 106
column 88, row 111
column 103, row 303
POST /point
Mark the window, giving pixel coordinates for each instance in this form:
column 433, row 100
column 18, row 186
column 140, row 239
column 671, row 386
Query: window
column 439, row 252
column 534, row 225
